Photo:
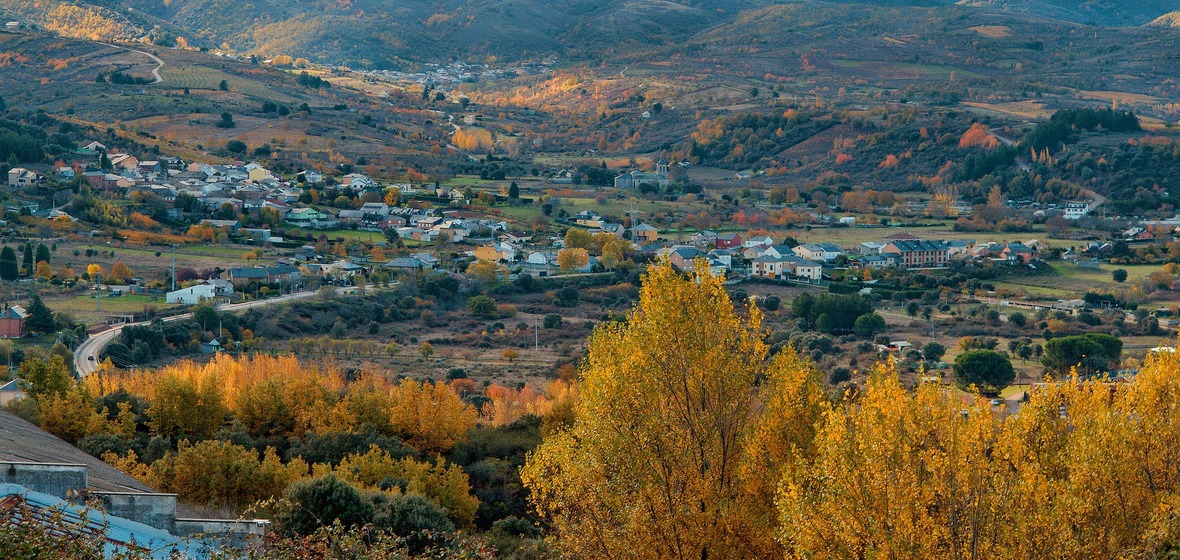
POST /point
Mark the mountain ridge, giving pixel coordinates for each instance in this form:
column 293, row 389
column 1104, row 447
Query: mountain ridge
column 395, row 34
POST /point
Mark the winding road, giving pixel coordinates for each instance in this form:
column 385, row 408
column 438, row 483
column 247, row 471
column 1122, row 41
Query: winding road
column 93, row 346
column 155, row 71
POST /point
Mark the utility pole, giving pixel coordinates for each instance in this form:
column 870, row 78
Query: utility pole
column 174, row 267
column 98, row 291
column 536, row 335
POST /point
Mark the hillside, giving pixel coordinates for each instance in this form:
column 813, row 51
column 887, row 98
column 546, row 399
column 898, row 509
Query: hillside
column 1095, row 12
column 396, row 34
column 1170, row 19
column 272, row 109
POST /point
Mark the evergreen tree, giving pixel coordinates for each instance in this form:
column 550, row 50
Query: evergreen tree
column 9, row 270
column 42, row 253
column 40, row 317
column 27, row 260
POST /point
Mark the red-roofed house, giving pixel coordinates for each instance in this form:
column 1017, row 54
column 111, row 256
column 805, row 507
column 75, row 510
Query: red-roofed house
column 730, row 242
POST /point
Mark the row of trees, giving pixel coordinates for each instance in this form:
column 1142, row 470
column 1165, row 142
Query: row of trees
column 690, row 441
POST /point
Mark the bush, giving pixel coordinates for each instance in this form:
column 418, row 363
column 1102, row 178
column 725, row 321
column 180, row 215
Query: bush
column 408, row 514
column 332, row 447
column 456, row 373
column 320, row 502
column 482, row 306
column 840, row 375
column 771, row 303
column 513, row 526
column 552, row 321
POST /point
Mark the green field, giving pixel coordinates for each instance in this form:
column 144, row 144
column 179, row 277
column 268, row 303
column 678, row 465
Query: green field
column 202, row 77
column 1071, row 281
column 84, row 308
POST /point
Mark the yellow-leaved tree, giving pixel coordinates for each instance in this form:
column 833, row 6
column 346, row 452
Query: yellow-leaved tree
column 897, row 475
column 572, row 259
column 683, row 426
column 1085, row 469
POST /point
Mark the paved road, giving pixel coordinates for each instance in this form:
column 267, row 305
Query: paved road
column 93, row 346
column 156, row 59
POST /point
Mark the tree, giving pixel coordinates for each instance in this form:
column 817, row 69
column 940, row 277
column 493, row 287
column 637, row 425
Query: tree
column 912, row 308
column 868, row 325
column 927, row 474
column 572, row 259
column 682, row 431
column 321, row 502
column 223, row 86
column 577, row 238
column 227, row 121
column 426, row 350
column 513, row 191
column 510, row 354
column 1118, row 275
column 41, row 379
column 823, row 323
column 987, row 370
column 121, row 272
column 482, row 306
column 933, row 351
column 40, row 317
column 184, row 406
column 43, row 253
column 864, row 498
column 27, row 261
column 486, row 272
column 235, row 147
column 1092, row 352
column 430, row 417
column 94, row 270
column 9, row 269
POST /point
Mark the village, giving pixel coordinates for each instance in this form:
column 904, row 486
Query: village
column 444, row 232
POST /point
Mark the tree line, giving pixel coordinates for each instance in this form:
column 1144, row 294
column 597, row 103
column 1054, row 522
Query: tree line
column 690, row 440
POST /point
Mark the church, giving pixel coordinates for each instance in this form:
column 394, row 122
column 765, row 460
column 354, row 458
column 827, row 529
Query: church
column 634, row 179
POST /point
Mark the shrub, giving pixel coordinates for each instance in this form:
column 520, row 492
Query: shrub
column 321, row 502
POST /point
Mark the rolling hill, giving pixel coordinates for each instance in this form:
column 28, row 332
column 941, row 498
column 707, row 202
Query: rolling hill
column 396, row 34
column 1097, row 12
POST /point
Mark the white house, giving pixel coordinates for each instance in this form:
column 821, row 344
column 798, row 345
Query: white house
column 762, row 241
column 818, row 251
column 191, row 295
column 1075, row 210
column 772, row 266
column 21, row 177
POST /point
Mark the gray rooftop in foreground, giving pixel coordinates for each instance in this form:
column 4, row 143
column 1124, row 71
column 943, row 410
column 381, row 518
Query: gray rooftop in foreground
column 21, row 441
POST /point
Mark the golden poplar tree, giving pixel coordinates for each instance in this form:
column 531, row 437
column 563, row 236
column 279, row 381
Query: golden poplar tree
column 896, row 475
column 665, row 456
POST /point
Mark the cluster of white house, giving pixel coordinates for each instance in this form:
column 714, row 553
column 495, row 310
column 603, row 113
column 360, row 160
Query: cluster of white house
column 762, row 257
column 247, row 187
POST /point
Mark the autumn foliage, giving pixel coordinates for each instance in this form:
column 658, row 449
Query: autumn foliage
column 279, row 397
column 690, row 441
column 679, row 439
column 978, row 136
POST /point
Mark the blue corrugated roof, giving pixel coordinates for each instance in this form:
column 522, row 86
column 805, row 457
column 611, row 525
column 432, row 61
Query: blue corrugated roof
column 120, row 534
